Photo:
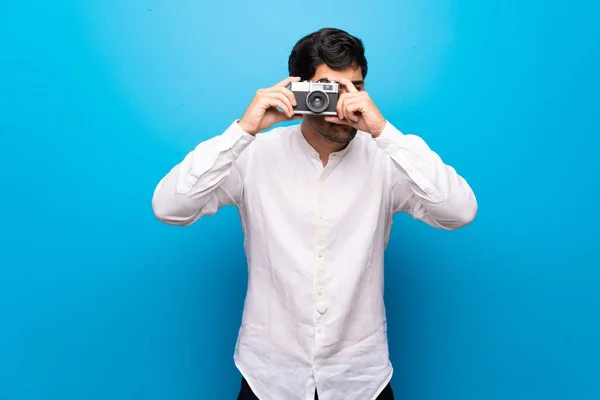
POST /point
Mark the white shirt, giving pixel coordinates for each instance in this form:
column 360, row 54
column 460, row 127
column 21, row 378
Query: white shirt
column 314, row 239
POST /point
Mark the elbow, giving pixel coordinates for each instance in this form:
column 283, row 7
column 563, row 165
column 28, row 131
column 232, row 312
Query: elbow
column 469, row 213
column 161, row 211
column 453, row 214
column 164, row 212
column 465, row 216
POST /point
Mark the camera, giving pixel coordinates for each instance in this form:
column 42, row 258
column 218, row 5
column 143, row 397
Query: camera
column 318, row 98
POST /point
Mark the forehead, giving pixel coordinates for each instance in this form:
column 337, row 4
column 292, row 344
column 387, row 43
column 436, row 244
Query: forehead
column 351, row 73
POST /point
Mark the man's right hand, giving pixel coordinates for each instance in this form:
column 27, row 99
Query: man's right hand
column 262, row 113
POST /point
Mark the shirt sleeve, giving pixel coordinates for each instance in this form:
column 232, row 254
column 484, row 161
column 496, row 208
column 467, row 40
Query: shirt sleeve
column 209, row 177
column 423, row 185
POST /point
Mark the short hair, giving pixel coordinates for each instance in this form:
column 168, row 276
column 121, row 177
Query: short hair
column 334, row 47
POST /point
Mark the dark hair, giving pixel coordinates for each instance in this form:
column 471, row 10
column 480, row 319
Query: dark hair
column 334, row 47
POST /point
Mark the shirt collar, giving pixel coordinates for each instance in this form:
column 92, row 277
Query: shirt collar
column 310, row 151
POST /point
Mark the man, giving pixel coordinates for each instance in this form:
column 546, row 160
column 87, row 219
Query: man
column 316, row 201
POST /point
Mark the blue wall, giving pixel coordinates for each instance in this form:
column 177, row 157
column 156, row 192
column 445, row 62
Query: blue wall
column 98, row 99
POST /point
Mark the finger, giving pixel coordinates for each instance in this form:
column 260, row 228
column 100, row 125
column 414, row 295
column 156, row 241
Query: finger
column 287, row 92
column 288, row 109
column 342, row 109
column 293, row 118
column 347, row 83
column 281, row 117
column 283, row 98
column 288, row 80
column 336, row 120
column 273, row 102
column 352, row 108
column 343, row 99
column 339, row 108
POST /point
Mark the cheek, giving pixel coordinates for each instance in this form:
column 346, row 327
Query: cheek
column 322, row 122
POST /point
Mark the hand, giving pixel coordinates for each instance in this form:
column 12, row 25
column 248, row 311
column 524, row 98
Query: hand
column 355, row 108
column 262, row 112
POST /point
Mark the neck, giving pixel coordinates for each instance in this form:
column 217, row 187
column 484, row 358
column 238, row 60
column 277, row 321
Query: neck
column 320, row 143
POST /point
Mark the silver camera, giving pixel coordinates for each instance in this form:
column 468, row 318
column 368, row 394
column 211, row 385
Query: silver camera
column 319, row 98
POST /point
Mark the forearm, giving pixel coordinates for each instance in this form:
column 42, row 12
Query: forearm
column 438, row 194
column 203, row 181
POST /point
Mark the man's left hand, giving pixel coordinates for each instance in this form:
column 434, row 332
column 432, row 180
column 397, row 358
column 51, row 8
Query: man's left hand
column 357, row 109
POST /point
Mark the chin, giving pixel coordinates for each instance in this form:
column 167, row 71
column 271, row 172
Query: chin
column 334, row 132
column 340, row 133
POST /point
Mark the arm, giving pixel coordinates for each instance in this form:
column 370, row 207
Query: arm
column 209, row 177
column 212, row 175
column 423, row 185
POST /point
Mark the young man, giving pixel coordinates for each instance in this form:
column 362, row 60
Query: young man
column 316, row 202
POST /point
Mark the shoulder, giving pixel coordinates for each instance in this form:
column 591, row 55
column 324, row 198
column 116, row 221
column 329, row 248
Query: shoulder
column 275, row 138
column 366, row 145
column 276, row 132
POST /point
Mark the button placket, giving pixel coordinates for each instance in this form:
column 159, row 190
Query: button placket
column 320, row 245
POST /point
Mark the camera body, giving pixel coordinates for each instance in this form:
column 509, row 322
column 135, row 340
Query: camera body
column 316, row 98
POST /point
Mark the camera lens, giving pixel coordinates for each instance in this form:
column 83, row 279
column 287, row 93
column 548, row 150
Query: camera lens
column 317, row 101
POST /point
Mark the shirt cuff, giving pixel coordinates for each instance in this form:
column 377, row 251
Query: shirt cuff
column 234, row 135
column 228, row 144
column 389, row 134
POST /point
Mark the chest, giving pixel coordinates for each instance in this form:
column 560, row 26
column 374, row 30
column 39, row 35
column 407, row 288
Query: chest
column 296, row 191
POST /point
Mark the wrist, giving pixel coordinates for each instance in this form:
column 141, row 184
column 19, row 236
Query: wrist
column 379, row 129
column 245, row 128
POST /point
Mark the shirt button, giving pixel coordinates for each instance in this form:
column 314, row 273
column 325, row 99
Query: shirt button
column 317, row 367
column 320, row 217
column 319, row 330
column 320, row 254
column 320, row 292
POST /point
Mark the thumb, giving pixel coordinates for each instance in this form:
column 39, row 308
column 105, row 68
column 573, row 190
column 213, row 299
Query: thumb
column 281, row 117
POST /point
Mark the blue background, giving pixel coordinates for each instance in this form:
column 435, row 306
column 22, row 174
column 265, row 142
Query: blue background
column 99, row 99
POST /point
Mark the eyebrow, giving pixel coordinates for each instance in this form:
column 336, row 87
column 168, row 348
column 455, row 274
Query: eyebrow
column 355, row 83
